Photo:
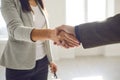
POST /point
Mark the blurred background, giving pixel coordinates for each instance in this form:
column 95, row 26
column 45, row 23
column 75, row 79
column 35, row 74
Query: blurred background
column 99, row 63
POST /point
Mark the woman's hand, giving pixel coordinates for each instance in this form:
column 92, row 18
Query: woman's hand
column 53, row 67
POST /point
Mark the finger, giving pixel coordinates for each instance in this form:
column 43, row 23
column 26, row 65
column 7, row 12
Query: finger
column 59, row 29
column 54, row 69
column 72, row 38
column 55, row 43
column 71, row 43
column 65, row 41
column 69, row 38
column 64, row 44
column 67, row 44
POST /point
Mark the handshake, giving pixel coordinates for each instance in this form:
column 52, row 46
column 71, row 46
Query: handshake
column 64, row 36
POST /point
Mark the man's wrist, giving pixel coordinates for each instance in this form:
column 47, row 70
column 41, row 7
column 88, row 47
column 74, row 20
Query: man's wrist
column 76, row 29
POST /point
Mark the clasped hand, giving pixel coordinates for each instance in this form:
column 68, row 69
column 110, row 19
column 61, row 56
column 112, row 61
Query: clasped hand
column 64, row 39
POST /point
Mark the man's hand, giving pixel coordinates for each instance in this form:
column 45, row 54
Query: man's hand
column 67, row 40
column 66, row 28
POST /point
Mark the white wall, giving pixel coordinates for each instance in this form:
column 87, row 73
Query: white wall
column 117, row 6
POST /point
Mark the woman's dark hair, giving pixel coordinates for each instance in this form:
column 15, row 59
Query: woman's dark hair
column 26, row 6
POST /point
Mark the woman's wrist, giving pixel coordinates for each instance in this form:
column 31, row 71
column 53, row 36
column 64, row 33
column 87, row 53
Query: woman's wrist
column 51, row 34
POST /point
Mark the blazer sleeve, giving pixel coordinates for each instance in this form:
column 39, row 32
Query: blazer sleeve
column 15, row 26
column 99, row 33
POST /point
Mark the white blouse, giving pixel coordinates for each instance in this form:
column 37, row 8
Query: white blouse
column 39, row 22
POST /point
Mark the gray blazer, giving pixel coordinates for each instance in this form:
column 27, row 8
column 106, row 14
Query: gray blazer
column 19, row 52
column 99, row 33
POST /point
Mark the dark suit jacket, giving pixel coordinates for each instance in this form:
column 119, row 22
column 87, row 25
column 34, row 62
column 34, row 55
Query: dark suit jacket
column 99, row 33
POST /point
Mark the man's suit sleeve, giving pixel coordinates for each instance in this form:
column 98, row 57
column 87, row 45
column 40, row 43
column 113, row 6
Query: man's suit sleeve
column 99, row 33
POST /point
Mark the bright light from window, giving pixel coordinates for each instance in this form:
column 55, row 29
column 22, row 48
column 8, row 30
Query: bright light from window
column 96, row 10
column 89, row 78
column 3, row 29
column 75, row 12
column 2, row 22
column 80, row 11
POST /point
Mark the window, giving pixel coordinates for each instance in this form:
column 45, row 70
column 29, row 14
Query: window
column 3, row 30
column 80, row 11
column 96, row 10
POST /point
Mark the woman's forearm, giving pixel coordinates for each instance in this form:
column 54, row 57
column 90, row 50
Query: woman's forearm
column 42, row 34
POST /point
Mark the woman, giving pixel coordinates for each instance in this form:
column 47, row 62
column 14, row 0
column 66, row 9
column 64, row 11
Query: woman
column 27, row 55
